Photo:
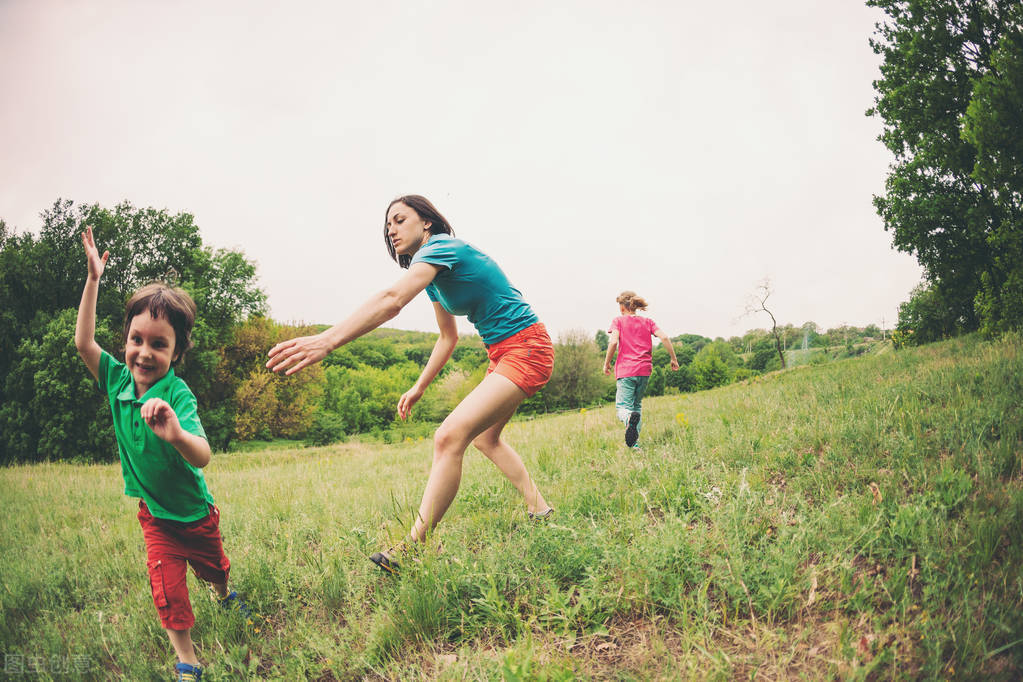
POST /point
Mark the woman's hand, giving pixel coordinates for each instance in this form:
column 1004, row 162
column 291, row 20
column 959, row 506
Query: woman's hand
column 674, row 364
column 407, row 400
column 96, row 263
column 295, row 354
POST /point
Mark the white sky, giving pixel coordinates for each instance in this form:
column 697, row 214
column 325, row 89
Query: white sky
column 682, row 150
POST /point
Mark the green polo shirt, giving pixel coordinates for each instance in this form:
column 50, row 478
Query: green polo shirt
column 152, row 469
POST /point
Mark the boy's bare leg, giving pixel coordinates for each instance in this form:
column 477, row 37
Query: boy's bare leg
column 181, row 640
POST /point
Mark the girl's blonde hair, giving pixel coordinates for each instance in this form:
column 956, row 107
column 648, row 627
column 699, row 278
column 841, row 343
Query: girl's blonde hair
column 631, row 301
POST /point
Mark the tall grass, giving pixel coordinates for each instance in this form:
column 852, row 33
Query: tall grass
column 858, row 519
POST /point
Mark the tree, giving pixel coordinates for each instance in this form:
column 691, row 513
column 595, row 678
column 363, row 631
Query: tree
column 267, row 405
column 602, row 340
column 948, row 97
column 764, row 353
column 18, row 306
column 578, row 378
column 42, row 277
column 925, row 317
column 712, row 367
column 55, row 411
column 994, row 125
column 758, row 303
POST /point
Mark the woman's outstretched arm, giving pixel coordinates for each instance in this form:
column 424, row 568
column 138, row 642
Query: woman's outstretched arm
column 294, row 354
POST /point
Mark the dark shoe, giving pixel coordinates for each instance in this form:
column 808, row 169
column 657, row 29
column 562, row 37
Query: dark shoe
column 542, row 516
column 188, row 673
column 384, row 562
column 631, row 432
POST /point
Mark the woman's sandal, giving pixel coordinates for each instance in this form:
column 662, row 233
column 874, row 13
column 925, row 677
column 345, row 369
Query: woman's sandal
column 384, row 562
column 541, row 516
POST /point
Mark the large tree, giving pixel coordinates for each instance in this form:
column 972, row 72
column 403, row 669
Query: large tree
column 41, row 282
column 948, row 97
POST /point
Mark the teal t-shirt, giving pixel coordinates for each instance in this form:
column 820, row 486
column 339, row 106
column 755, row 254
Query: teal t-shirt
column 470, row 283
column 153, row 470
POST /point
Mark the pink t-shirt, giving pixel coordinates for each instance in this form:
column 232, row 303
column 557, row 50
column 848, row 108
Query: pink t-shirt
column 634, row 344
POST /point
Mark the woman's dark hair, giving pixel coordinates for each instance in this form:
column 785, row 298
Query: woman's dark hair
column 427, row 212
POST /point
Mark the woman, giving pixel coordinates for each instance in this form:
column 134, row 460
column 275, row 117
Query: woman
column 460, row 280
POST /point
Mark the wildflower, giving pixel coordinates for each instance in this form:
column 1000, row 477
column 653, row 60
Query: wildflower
column 582, row 410
column 681, row 419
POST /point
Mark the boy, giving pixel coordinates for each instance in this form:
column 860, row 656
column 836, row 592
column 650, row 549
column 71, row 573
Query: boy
column 163, row 448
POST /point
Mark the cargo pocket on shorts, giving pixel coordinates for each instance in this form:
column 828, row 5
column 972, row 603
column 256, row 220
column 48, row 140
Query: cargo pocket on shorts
column 156, row 584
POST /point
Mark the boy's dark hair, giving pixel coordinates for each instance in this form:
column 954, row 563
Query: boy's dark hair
column 427, row 212
column 172, row 303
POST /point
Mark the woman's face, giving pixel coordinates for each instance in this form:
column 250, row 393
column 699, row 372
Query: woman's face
column 406, row 230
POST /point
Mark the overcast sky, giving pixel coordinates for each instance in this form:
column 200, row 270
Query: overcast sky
column 682, row 150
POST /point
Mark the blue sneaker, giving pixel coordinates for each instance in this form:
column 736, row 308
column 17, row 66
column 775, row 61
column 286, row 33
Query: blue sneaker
column 188, row 673
column 234, row 603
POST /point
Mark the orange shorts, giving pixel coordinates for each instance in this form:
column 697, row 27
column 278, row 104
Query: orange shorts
column 526, row 357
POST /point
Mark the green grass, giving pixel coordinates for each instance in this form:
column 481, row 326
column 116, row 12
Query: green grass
column 860, row 519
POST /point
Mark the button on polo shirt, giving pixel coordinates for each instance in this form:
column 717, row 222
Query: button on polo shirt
column 152, row 469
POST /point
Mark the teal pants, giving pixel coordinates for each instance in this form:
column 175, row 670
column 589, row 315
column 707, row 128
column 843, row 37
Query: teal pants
column 629, row 398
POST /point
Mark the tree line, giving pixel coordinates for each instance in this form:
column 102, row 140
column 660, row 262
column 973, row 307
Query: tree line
column 51, row 409
column 950, row 97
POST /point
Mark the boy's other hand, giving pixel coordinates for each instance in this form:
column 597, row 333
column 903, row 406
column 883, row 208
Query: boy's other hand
column 96, row 263
column 161, row 418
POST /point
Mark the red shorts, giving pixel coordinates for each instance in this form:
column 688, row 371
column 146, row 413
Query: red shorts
column 169, row 546
column 526, row 357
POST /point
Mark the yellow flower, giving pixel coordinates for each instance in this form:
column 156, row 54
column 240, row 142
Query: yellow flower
column 582, row 410
column 681, row 419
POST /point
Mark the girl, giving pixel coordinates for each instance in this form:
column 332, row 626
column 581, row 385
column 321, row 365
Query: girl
column 460, row 280
column 634, row 360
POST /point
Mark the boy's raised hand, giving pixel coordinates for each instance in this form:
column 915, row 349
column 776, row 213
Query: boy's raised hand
column 96, row 263
column 161, row 418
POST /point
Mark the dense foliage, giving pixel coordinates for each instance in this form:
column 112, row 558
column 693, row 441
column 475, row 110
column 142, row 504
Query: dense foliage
column 51, row 409
column 951, row 99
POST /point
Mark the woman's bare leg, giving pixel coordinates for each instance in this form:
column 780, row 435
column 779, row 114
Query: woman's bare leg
column 495, row 399
column 508, row 461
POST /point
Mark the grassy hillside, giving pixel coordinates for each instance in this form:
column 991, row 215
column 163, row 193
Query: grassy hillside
column 858, row 519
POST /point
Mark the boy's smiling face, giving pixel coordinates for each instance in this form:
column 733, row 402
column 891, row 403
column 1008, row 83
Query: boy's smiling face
column 149, row 350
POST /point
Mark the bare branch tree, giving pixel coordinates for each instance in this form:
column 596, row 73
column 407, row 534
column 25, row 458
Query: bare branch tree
column 756, row 303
